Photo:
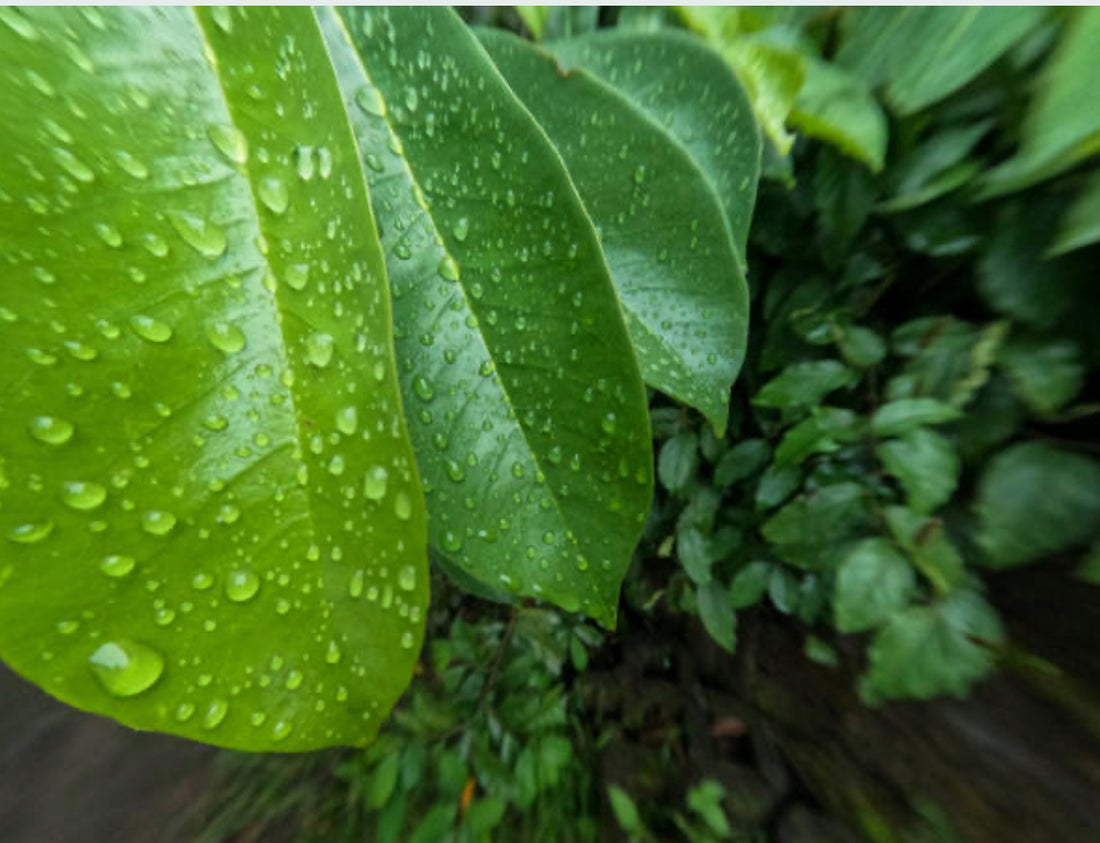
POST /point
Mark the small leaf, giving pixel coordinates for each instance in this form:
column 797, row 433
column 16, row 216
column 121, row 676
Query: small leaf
column 821, row 433
column 693, row 550
column 678, row 460
column 626, row 812
column 872, row 582
column 383, row 780
column 1045, row 374
column 926, row 464
column 742, row 460
column 928, row 546
column 777, row 484
column 1081, row 225
column 908, row 414
column 717, row 614
column 926, row 651
column 804, row 384
column 1035, row 500
column 705, row 799
column 749, row 584
column 861, row 347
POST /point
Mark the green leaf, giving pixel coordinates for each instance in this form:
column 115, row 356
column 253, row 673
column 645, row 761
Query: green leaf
column 1059, row 132
column 662, row 226
column 742, row 460
column 804, row 384
column 383, row 780
column 1045, row 374
column 872, row 582
column 1081, row 225
column 922, row 54
column 1034, row 501
column 535, row 18
column 212, row 521
column 821, row 433
column 626, row 812
column 861, row 347
column 776, row 485
column 689, row 90
column 436, row 824
column 837, row 107
column 749, row 584
column 717, row 614
column 926, row 651
column 525, row 404
column 907, row 414
column 926, row 464
column 936, row 167
column 705, row 799
column 928, row 546
column 807, row 527
column 678, row 460
column 693, row 549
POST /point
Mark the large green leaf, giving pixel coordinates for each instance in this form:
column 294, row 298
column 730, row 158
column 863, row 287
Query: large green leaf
column 693, row 94
column 661, row 224
column 524, row 398
column 920, row 54
column 211, row 522
column 1062, row 128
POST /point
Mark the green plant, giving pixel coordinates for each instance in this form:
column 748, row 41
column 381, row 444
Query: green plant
column 300, row 297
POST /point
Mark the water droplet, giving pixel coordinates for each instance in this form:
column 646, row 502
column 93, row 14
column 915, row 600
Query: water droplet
column 185, row 711
column 201, row 581
column 461, row 230
column 131, row 164
column 303, row 162
column 125, row 668
column 608, row 423
column 297, row 276
column 273, row 193
column 117, row 565
column 83, row 496
column 407, row 640
column 294, row 680
column 370, row 100
column 406, row 578
column 150, row 329
column 402, row 505
column 355, row 587
column 51, row 430
column 158, row 522
column 73, row 165
column 222, row 17
column 204, row 237
column 241, row 586
column 319, row 348
column 225, row 336
column 30, row 533
column 40, row 357
column 108, row 234
column 347, row 420
column 448, row 269
column 230, row 142
column 332, row 654
column 423, row 388
column 228, row 514
column 374, row 483
column 412, row 99
column 281, row 730
column 324, row 161
column 215, row 713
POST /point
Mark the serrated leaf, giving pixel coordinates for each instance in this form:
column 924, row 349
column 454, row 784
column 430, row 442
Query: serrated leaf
column 717, row 615
column 213, row 519
column 1058, row 133
column 689, row 90
column 927, row 651
column 1035, row 500
column 873, row 581
column 926, row 464
column 525, row 404
column 804, row 384
column 922, row 54
column 662, row 226
column 907, row 414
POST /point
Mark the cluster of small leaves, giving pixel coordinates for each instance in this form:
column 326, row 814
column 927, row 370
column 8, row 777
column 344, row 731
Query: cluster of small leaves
column 914, row 412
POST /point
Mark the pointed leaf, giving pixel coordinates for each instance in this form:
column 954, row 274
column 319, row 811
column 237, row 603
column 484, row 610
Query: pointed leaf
column 661, row 224
column 525, row 403
column 212, row 523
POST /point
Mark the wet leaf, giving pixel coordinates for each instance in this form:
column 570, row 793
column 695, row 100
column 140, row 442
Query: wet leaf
column 523, row 398
column 213, row 522
column 662, row 225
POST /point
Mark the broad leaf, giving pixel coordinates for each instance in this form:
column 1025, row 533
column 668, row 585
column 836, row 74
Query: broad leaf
column 211, row 522
column 872, row 582
column 693, row 94
column 524, row 400
column 926, row 651
column 807, row 530
column 1061, row 128
column 907, row 414
column 1035, row 500
column 662, row 226
column 922, row 54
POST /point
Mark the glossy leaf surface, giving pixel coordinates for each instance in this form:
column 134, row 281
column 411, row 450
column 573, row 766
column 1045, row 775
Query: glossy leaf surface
column 662, row 227
column 524, row 398
column 211, row 522
column 693, row 94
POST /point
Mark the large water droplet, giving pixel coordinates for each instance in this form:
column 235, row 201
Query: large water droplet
column 125, row 668
column 241, row 586
column 374, row 483
column 402, row 505
column 215, row 713
column 150, row 329
column 230, row 142
column 347, row 420
column 273, row 193
column 204, row 237
column 83, row 496
column 51, row 430
column 319, row 348
column 448, row 269
column 117, row 565
column 406, row 578
column 30, row 533
column 225, row 336
column 158, row 522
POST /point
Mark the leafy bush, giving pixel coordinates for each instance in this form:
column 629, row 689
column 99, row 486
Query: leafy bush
column 299, row 297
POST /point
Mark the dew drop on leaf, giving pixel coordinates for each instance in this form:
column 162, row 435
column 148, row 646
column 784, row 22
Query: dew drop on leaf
column 125, row 668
